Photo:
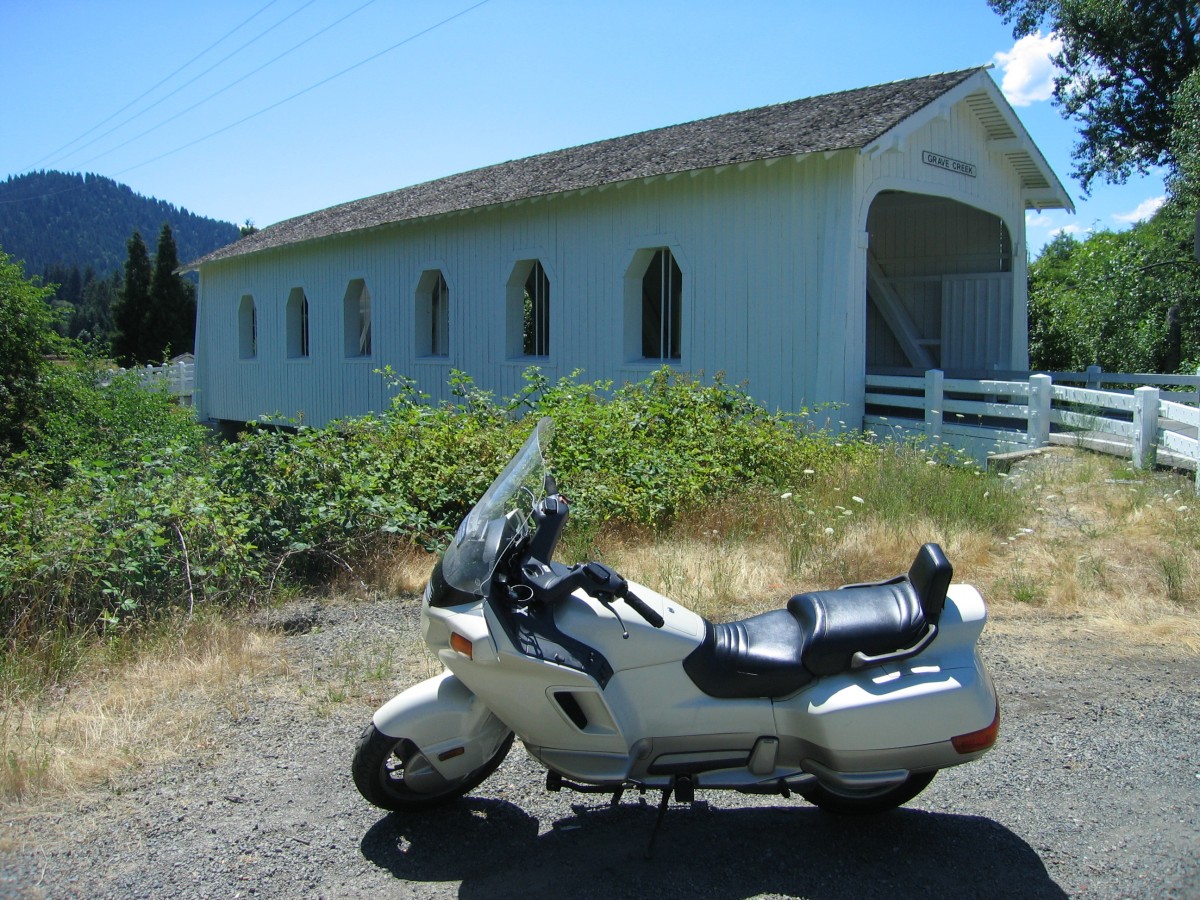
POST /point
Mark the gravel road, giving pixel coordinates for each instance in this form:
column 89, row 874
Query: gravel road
column 1094, row 789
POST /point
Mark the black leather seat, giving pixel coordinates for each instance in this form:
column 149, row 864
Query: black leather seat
column 757, row 657
column 777, row 653
column 872, row 619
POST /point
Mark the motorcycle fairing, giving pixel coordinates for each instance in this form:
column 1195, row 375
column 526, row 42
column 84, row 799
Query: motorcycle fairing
column 535, row 633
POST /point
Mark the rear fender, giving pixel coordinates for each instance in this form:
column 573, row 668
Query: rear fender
column 451, row 726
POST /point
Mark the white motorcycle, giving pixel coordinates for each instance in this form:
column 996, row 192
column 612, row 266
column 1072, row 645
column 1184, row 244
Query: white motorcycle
column 853, row 698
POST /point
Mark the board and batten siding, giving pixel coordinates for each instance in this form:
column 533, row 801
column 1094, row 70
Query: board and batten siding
column 763, row 249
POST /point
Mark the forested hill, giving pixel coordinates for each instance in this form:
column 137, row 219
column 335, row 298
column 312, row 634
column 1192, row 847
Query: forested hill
column 54, row 220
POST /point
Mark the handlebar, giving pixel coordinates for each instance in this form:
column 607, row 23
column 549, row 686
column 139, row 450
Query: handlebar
column 639, row 606
column 551, row 581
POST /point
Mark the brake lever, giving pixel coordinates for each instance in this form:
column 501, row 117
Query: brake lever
column 606, row 600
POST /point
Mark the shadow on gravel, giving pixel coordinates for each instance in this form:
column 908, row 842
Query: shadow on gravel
column 493, row 848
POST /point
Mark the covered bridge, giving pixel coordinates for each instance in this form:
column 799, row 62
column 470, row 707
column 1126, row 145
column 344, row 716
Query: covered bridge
column 791, row 247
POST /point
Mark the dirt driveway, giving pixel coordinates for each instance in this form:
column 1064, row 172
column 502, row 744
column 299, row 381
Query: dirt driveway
column 1094, row 789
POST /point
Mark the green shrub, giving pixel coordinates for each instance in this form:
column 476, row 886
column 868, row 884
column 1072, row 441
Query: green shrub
column 127, row 511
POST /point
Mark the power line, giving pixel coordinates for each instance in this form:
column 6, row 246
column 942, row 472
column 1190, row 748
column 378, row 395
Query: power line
column 163, row 99
column 152, row 89
column 306, row 90
column 234, row 83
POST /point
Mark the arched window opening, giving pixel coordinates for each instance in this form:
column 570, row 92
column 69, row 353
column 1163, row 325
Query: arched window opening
column 297, row 325
column 433, row 315
column 247, row 328
column 662, row 307
column 356, row 314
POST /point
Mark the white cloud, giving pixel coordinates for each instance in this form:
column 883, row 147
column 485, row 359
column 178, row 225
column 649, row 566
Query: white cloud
column 1072, row 230
column 1035, row 218
column 1028, row 71
column 1144, row 210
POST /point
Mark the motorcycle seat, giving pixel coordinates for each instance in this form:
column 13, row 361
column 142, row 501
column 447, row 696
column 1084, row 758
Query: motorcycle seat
column 777, row 653
column 757, row 657
column 872, row 619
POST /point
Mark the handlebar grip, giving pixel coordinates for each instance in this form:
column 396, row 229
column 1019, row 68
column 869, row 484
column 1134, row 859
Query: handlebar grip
column 639, row 607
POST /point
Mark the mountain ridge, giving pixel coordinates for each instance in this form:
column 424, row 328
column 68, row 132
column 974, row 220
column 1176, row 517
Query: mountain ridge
column 51, row 219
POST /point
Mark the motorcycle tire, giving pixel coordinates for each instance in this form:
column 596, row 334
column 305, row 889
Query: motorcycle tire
column 380, row 764
column 866, row 803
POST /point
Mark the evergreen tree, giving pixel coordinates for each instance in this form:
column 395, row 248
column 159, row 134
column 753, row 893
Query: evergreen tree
column 131, row 314
column 171, row 323
column 92, row 320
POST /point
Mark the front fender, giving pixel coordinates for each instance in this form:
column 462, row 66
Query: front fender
column 452, row 727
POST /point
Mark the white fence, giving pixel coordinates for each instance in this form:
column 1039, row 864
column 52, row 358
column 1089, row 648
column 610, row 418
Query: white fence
column 986, row 417
column 179, row 377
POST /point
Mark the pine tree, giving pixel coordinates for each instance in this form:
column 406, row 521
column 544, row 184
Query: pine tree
column 130, row 315
column 172, row 321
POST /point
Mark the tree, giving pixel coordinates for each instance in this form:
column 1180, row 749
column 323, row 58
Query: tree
column 1123, row 62
column 1184, row 182
column 1123, row 300
column 171, row 323
column 27, row 339
column 133, row 309
column 92, row 320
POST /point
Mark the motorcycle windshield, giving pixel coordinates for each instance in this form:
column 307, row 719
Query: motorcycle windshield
column 500, row 517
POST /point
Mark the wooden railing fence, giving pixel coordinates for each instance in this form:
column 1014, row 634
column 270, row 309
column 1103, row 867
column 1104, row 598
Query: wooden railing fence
column 991, row 416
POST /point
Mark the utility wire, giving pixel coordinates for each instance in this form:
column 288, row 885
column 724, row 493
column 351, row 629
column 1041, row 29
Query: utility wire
column 149, row 91
column 228, row 86
column 166, row 97
column 306, row 90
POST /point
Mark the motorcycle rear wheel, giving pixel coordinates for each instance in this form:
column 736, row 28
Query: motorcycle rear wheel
column 392, row 774
column 866, row 803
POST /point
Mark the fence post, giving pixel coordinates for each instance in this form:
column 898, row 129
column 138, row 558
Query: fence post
column 1041, row 392
column 934, row 395
column 1145, row 427
column 1094, row 379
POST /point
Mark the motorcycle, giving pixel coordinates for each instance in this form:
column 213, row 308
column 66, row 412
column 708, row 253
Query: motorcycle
column 853, row 698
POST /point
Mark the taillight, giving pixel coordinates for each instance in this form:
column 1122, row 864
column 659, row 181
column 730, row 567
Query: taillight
column 978, row 740
column 462, row 645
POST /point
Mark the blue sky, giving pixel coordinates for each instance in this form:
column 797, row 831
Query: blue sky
column 266, row 109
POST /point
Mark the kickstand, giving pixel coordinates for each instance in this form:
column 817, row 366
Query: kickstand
column 662, row 811
column 685, row 792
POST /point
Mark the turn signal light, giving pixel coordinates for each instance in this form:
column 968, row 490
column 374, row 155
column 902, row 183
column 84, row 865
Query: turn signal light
column 462, row 645
column 978, row 740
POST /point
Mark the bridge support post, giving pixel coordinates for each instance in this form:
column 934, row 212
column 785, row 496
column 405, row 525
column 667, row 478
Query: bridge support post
column 934, row 402
column 1041, row 393
column 1145, row 427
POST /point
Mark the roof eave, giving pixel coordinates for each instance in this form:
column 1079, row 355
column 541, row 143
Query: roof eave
column 1042, row 191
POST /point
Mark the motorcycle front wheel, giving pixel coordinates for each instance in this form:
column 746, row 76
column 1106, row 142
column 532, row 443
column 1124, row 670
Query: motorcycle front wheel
column 866, row 803
column 392, row 773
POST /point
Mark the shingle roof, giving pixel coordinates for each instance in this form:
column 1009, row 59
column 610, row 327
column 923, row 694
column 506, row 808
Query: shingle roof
column 847, row 119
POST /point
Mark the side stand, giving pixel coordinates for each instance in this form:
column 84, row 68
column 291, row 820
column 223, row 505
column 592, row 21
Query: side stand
column 685, row 792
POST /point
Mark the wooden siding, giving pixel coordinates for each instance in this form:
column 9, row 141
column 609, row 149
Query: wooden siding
column 758, row 248
column 773, row 255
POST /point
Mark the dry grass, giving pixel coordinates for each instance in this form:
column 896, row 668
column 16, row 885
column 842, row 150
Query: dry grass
column 155, row 704
column 1095, row 541
column 1120, row 550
